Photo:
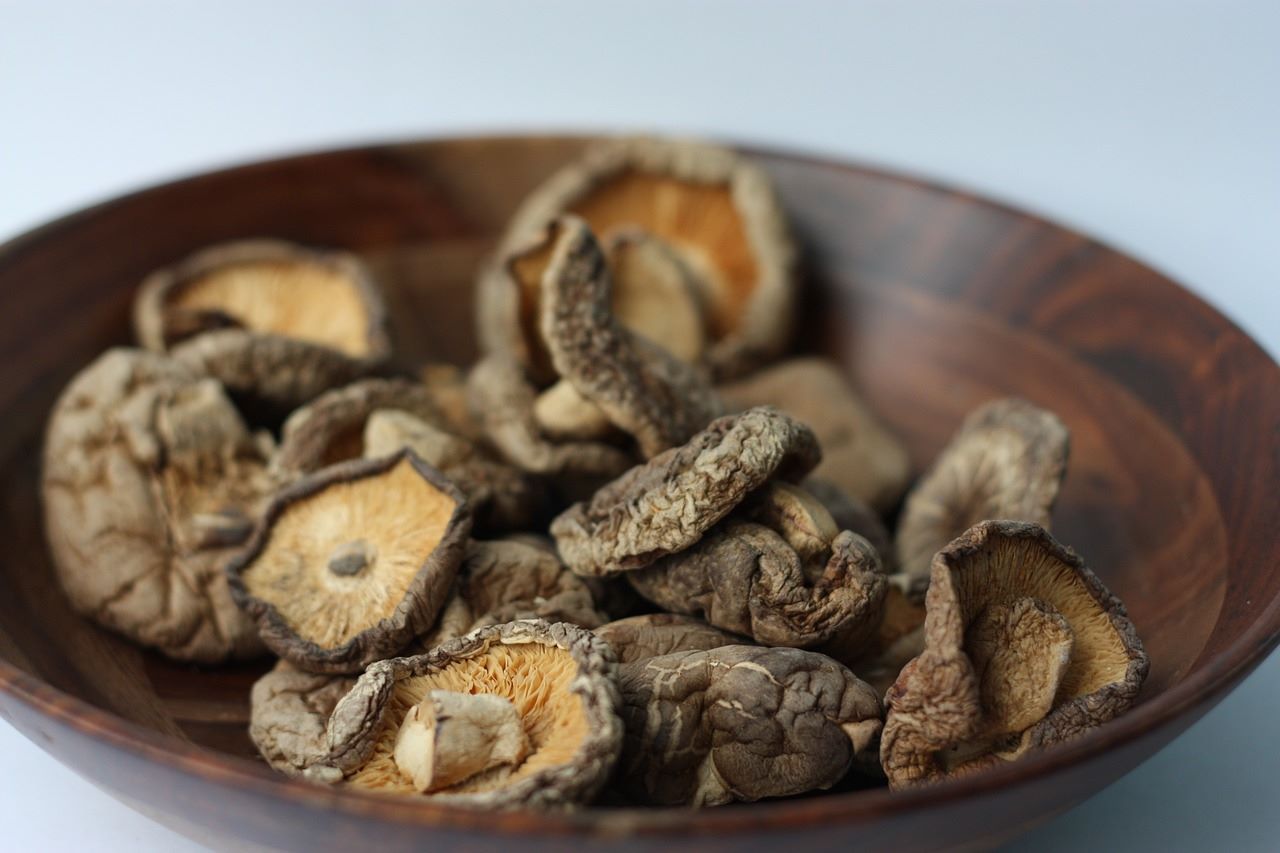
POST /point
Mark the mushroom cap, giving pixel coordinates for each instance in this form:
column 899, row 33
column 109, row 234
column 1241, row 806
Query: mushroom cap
column 560, row 678
column 1013, row 577
column 665, row 505
column 288, row 713
column 349, row 564
column 150, row 480
column 1007, row 461
column 860, row 454
column 713, row 207
column 268, row 318
column 651, row 635
column 709, row 727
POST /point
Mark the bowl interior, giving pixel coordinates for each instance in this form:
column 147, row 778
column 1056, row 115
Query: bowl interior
column 933, row 301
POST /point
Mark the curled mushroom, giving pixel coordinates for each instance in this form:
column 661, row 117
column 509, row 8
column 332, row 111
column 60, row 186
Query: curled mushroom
column 289, row 712
column 150, row 481
column 532, row 720
column 717, row 211
column 638, row 638
column 350, row 563
column 505, row 580
column 665, row 505
column 1023, row 647
column 860, row 454
column 273, row 321
column 778, row 571
column 1006, row 462
column 704, row 728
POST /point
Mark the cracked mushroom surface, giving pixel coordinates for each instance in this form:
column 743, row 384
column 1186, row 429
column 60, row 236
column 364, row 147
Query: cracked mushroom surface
column 506, row 580
column 274, row 321
column 651, row 635
column 1023, row 648
column 288, row 714
column 351, row 563
column 1007, row 461
column 535, row 713
column 150, row 481
column 719, row 212
column 860, row 454
column 777, row 571
column 666, row 504
column 740, row 723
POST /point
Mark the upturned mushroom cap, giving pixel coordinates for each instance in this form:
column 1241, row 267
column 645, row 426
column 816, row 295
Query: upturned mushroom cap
column 288, row 712
column 719, row 212
column 860, row 454
column 268, row 318
column 1023, row 647
column 505, row 580
column 350, row 563
column 150, row 482
column 1006, row 462
column 704, row 728
column 666, row 505
column 651, row 635
column 561, row 681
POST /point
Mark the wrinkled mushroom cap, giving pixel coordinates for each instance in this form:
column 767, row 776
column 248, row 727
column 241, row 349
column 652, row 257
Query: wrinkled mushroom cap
column 651, row 635
column 669, row 502
column 719, row 212
column 1006, row 462
column 288, row 713
column 561, row 680
column 150, row 482
column 860, row 454
column 742, row 723
column 351, row 563
column 1024, row 647
column 267, row 318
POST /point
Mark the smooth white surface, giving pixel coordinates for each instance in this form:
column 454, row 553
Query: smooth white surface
column 1152, row 125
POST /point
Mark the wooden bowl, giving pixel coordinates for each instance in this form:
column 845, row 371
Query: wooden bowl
column 933, row 300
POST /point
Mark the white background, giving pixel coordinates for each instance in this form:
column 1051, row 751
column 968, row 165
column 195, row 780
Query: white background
column 1153, row 125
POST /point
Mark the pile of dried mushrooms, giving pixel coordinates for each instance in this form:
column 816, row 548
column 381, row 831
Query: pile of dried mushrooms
column 629, row 557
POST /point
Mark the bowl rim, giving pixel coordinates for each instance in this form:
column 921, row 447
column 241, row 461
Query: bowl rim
column 1194, row 694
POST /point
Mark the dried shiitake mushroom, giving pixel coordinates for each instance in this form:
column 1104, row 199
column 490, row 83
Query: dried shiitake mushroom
column 505, row 580
column 1006, row 462
column 651, row 635
column 351, row 563
column 859, row 453
column 719, row 212
column 778, row 571
column 704, row 728
column 668, row 503
column 1023, row 647
column 277, row 322
column 289, row 712
column 151, row 480
column 535, row 713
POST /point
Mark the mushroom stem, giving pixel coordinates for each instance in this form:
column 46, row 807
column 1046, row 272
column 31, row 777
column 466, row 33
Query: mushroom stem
column 352, row 558
column 449, row 737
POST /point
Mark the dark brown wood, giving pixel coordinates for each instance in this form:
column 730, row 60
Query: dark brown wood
column 934, row 300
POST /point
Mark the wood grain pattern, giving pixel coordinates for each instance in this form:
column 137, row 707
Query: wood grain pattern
column 933, row 300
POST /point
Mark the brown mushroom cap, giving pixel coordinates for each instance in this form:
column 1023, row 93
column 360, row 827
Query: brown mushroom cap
column 267, row 318
column 504, row 580
column 1006, row 462
column 289, row 711
column 150, row 482
column 718, row 211
column 668, row 503
column 1007, row 607
column 561, row 680
column 651, row 635
column 351, row 563
column 743, row 723
column 860, row 454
